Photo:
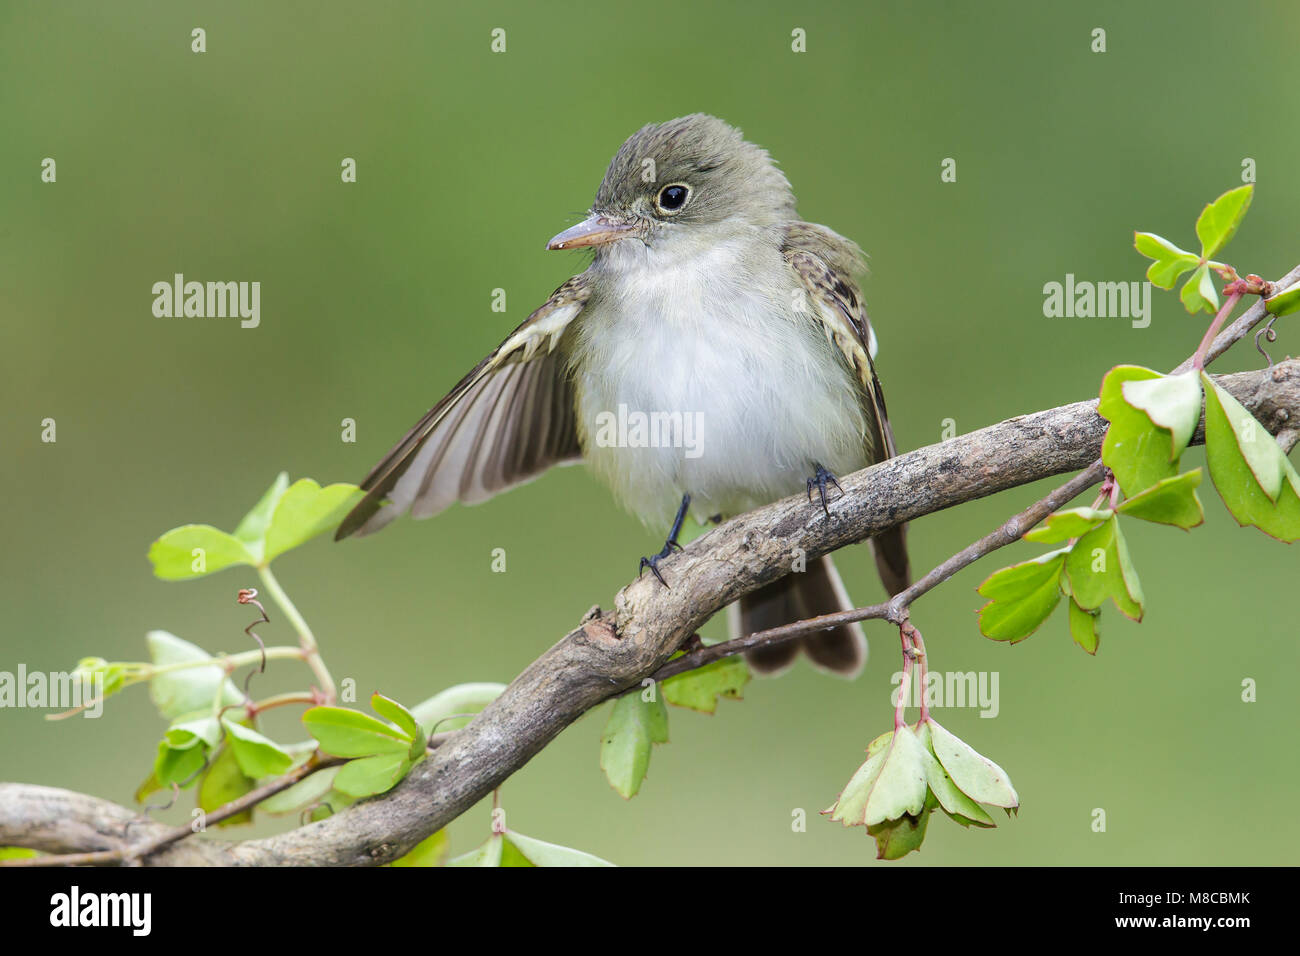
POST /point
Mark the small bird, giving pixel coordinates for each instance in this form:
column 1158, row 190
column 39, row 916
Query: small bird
column 714, row 357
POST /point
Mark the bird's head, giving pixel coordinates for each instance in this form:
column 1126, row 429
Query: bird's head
column 677, row 185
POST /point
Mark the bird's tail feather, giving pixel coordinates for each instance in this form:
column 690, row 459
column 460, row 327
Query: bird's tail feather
column 818, row 590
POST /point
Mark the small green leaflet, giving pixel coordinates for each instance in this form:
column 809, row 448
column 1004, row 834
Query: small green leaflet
column 184, row 748
column 381, row 754
column 957, row 804
column 515, row 849
column 366, row 776
column 223, row 782
column 191, row 689
column 1284, row 303
column 974, row 774
column 701, row 689
column 344, row 732
column 1135, row 449
column 1172, row 402
column 257, row 755
column 891, row 784
column 1083, row 627
column 1198, row 292
column 1021, row 597
column 897, row 838
column 252, row 529
column 909, row 773
column 308, row 792
column 283, row 518
column 1099, row 568
column 431, row 851
column 634, row 726
column 1257, row 447
column 1245, row 461
column 1216, row 225
column 1064, row 525
column 1170, row 261
column 1219, row 220
column 1171, row 501
column 306, row 510
column 193, row 550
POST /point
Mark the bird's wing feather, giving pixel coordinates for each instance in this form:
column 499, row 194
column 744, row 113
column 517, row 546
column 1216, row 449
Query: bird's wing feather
column 826, row 265
column 508, row 420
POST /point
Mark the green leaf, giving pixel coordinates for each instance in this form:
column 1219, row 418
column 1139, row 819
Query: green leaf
column 306, row 510
column 1083, row 627
column 1198, row 292
column 1170, row 261
column 487, row 854
column 1219, row 220
column 200, row 726
column 113, row 676
column 1099, row 567
column 17, row 853
column 1284, row 303
column 540, row 853
column 510, row 855
column 1021, row 597
column 1134, row 448
column 350, row 733
column 252, row 529
column 308, row 792
column 194, row 550
column 367, row 776
column 257, row 755
column 150, row 785
column 948, row 795
column 974, row 774
column 1259, row 449
column 194, row 688
column 431, row 851
column 392, row 710
column 890, row 784
column 438, row 713
column 701, row 689
column 223, row 782
column 1172, row 402
column 1070, row 523
column 181, row 754
column 1172, row 501
column 633, row 726
column 1234, row 477
column 897, row 838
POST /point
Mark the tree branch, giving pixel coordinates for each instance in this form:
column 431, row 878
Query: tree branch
column 612, row 651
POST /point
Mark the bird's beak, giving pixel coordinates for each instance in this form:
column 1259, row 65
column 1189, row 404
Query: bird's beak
column 593, row 231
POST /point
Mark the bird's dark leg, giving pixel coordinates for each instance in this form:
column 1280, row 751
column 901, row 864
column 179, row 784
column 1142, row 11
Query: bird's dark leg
column 653, row 562
column 820, row 479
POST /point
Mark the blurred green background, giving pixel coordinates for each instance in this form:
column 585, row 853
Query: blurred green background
column 376, row 299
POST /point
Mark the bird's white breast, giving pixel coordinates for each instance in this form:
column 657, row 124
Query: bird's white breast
column 713, row 338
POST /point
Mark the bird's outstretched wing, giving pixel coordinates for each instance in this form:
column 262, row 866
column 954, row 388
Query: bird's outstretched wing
column 504, row 423
column 826, row 265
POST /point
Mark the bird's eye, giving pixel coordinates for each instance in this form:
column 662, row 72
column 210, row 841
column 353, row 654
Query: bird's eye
column 672, row 198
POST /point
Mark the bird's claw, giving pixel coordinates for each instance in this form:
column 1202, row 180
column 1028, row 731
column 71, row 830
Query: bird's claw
column 653, row 562
column 820, row 480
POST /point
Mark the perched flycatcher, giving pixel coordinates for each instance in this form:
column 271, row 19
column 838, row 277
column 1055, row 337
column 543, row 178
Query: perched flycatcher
column 710, row 312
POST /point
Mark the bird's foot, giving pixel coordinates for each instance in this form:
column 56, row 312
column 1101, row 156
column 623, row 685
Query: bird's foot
column 652, row 562
column 820, row 480
column 670, row 545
